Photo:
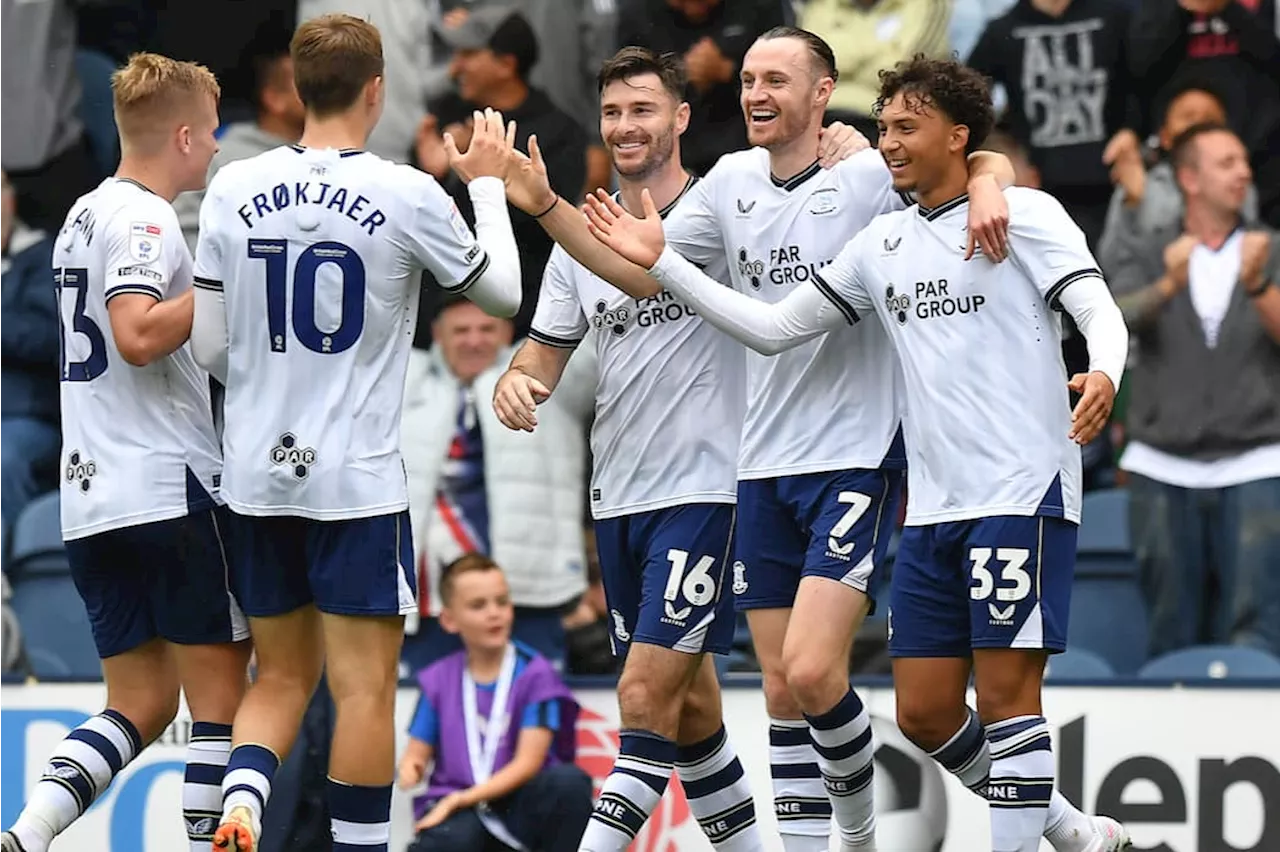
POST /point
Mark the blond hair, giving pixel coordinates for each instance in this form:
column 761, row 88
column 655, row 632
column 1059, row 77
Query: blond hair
column 334, row 57
column 152, row 90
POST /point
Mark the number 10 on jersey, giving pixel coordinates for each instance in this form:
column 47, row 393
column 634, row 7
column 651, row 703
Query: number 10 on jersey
column 302, row 279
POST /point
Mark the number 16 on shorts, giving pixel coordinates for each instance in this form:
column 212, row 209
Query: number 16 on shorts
column 663, row 574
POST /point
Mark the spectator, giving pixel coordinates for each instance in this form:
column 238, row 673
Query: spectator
column 1062, row 64
column 502, row 785
column 1148, row 200
column 407, row 55
column 494, row 51
column 1235, row 46
column 712, row 36
column 29, row 436
column 475, row 486
column 48, row 158
column 1024, row 171
column 868, row 35
column 1204, row 409
column 580, row 34
column 278, row 122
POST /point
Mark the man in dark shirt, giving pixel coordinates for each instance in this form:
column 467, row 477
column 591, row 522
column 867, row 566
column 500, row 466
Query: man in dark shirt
column 1235, row 46
column 29, row 404
column 494, row 49
column 712, row 36
column 1064, row 67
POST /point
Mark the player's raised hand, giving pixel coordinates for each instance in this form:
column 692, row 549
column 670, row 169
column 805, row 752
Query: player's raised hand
column 638, row 240
column 839, row 141
column 516, row 399
column 488, row 153
column 988, row 219
column 1097, row 395
column 528, row 186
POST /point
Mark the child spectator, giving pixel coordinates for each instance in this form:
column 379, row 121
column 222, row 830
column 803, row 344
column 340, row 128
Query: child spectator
column 496, row 726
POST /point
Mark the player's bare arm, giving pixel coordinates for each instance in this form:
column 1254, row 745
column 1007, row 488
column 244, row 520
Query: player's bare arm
column 529, row 189
column 990, row 173
column 769, row 329
column 498, row 290
column 534, row 372
column 146, row 330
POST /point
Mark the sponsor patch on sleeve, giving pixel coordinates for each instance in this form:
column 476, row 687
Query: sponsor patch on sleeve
column 144, row 242
column 139, row 272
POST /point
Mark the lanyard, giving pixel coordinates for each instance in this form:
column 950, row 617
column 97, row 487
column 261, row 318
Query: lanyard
column 482, row 754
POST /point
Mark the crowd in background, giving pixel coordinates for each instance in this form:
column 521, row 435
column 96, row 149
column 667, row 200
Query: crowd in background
column 1093, row 94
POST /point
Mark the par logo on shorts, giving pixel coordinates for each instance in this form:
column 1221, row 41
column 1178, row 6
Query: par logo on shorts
column 619, row 626
column 144, row 241
column 739, row 578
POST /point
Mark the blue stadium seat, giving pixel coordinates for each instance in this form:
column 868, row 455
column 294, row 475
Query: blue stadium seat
column 1109, row 618
column 1104, row 533
column 1078, row 664
column 36, row 541
column 1229, row 662
column 55, row 628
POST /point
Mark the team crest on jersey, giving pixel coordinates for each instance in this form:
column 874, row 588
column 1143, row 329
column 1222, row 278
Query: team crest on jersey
column 823, row 201
column 739, row 578
column 144, row 241
column 897, row 303
column 80, row 471
column 287, row 452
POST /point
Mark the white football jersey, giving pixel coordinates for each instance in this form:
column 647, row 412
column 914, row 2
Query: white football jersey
column 131, row 436
column 833, row 403
column 669, row 392
column 319, row 254
column 987, row 403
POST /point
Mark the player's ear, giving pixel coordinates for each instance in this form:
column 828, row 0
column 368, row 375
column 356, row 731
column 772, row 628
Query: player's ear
column 959, row 140
column 682, row 117
column 822, row 96
column 184, row 138
column 373, row 92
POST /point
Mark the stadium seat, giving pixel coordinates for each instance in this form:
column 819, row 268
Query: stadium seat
column 1078, row 664
column 94, row 70
column 55, row 628
column 36, row 541
column 1229, row 662
column 1108, row 618
column 1104, row 545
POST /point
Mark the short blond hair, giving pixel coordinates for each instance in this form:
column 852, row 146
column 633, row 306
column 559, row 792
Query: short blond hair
column 151, row 89
column 334, row 57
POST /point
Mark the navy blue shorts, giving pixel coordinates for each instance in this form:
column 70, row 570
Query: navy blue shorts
column 833, row 524
column 362, row 566
column 663, row 575
column 167, row 579
column 1000, row 582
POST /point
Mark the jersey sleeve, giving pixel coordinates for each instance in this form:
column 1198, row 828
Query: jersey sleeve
column 1047, row 244
column 142, row 245
column 544, row 714
column 842, row 280
column 208, row 272
column 693, row 228
column 441, row 240
column 425, row 725
column 558, row 319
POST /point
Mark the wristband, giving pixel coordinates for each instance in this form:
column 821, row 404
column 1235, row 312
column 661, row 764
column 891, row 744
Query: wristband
column 549, row 209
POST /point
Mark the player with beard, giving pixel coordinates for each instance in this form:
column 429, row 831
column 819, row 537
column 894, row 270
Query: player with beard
column 820, row 461
column 982, row 581
column 669, row 407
